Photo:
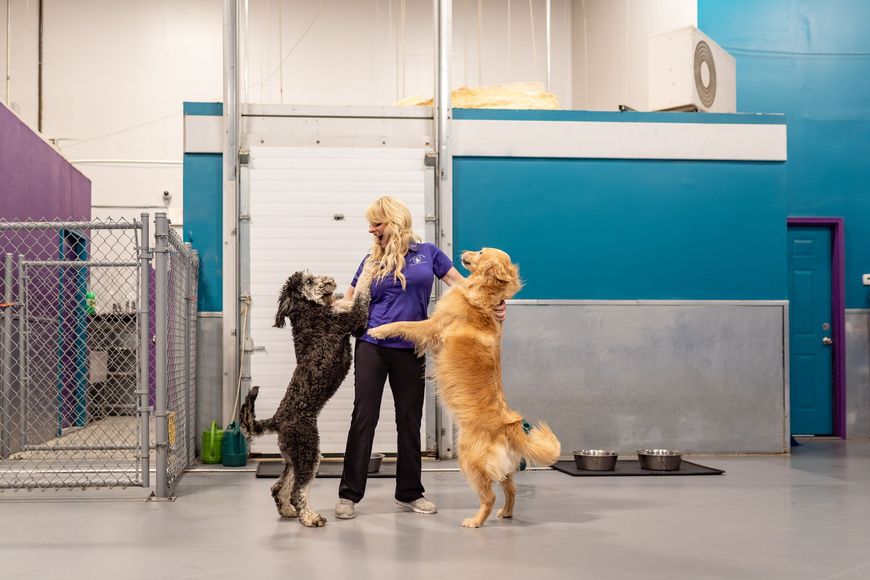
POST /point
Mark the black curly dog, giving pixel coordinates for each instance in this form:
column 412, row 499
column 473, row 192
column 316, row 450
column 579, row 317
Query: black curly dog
column 321, row 338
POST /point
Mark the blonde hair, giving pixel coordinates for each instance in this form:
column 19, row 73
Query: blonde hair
column 397, row 218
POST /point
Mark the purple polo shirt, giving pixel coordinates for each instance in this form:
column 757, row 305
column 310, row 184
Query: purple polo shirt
column 390, row 303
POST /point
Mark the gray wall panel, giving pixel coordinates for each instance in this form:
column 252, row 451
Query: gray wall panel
column 857, row 374
column 209, row 374
column 701, row 377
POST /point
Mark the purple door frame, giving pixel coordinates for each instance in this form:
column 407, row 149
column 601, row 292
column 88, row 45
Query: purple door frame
column 838, row 311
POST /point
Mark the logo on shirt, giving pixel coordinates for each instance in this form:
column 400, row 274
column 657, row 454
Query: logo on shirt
column 418, row 259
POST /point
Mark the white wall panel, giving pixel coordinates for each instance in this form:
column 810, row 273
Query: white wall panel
column 296, row 193
column 115, row 75
column 610, row 48
column 603, row 140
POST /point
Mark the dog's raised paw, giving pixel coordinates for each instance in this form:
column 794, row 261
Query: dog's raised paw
column 504, row 514
column 377, row 332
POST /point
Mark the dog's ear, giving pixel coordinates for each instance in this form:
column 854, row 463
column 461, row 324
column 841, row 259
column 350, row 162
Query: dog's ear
column 503, row 271
column 285, row 298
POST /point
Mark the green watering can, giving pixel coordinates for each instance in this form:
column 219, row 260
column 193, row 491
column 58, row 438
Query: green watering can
column 211, row 444
column 234, row 447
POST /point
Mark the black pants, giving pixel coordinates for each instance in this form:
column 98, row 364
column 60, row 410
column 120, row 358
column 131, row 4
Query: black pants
column 372, row 365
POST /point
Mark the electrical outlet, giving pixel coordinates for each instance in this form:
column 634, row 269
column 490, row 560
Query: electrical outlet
column 865, row 278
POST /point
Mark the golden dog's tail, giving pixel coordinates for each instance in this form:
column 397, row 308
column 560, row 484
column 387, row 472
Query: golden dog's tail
column 248, row 419
column 539, row 445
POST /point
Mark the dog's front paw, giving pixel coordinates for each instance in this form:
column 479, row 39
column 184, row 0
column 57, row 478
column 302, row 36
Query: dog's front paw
column 380, row 332
column 312, row 520
column 470, row 523
column 288, row 511
column 505, row 513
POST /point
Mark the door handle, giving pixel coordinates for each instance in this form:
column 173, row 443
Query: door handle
column 827, row 341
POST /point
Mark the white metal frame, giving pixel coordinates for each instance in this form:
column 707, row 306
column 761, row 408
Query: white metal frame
column 234, row 196
column 232, row 120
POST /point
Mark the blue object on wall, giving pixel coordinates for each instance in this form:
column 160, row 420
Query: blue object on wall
column 810, row 60
column 72, row 369
column 203, row 214
column 206, row 109
column 203, row 219
column 620, row 229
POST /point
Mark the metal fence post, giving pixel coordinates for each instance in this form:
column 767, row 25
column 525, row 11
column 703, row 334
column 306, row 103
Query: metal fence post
column 144, row 350
column 161, row 424
column 6, row 394
column 23, row 387
column 187, row 336
column 194, row 310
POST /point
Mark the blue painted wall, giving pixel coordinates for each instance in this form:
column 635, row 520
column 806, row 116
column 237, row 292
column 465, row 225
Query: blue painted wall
column 811, row 60
column 628, row 229
column 203, row 214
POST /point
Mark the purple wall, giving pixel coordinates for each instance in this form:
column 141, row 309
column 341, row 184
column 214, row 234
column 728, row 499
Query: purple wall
column 36, row 182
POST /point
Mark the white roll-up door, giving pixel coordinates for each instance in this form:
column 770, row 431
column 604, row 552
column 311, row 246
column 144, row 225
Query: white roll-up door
column 307, row 212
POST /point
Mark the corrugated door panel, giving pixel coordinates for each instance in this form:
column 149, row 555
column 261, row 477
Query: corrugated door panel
column 296, row 195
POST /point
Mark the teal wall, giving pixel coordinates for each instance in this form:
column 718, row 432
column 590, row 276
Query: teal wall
column 811, row 60
column 203, row 214
column 619, row 229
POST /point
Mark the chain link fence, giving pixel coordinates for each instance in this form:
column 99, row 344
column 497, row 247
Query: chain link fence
column 181, row 332
column 80, row 389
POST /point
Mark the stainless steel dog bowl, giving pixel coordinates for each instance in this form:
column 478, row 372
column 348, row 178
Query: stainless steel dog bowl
column 595, row 459
column 375, row 462
column 660, row 459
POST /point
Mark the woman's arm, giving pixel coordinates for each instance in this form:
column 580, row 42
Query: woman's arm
column 453, row 276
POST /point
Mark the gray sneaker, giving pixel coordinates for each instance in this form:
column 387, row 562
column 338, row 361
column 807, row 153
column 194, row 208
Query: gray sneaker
column 421, row 506
column 345, row 509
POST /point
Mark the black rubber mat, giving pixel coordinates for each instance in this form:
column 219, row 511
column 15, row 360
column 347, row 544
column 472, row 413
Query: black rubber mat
column 327, row 469
column 632, row 467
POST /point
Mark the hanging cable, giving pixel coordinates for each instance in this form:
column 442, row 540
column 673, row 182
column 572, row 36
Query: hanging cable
column 77, row 142
column 480, row 43
column 464, row 43
column 298, row 42
column 8, row 49
column 246, row 300
column 509, row 42
column 400, row 53
column 280, row 52
column 534, row 39
column 549, row 41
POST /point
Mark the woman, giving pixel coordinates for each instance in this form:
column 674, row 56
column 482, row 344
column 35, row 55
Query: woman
column 401, row 287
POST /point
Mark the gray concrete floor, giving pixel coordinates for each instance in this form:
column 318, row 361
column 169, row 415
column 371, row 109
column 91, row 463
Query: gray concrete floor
column 804, row 516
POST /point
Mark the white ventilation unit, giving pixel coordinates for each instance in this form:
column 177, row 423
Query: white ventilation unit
column 690, row 72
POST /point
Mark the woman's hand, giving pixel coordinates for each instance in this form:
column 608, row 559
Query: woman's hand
column 501, row 311
column 453, row 276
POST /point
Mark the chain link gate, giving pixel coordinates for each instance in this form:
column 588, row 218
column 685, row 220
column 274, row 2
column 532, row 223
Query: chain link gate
column 182, row 273
column 79, row 355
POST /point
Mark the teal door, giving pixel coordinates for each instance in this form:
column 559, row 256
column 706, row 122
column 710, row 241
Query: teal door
column 810, row 332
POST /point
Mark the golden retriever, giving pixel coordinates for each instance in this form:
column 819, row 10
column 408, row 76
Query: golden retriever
column 465, row 338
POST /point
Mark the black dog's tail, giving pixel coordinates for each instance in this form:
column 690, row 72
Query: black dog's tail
column 283, row 303
column 248, row 418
